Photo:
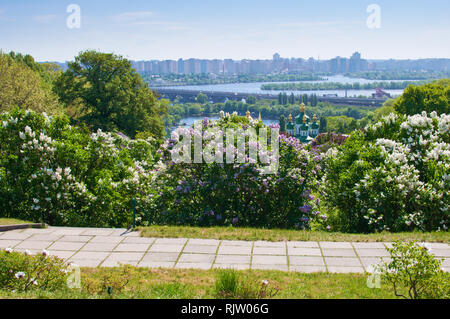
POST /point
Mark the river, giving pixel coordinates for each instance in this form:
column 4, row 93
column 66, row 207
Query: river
column 255, row 87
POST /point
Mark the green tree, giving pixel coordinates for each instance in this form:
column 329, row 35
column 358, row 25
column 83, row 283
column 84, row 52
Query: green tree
column 202, row 98
column 322, row 124
column 292, row 99
column 251, row 99
column 429, row 97
column 22, row 86
column 282, row 123
column 111, row 93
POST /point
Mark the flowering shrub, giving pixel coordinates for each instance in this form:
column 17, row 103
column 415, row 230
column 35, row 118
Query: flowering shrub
column 226, row 193
column 393, row 176
column 63, row 175
column 23, row 271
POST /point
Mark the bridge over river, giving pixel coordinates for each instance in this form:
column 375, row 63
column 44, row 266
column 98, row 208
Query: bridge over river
column 217, row 96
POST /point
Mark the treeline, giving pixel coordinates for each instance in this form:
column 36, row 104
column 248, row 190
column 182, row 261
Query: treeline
column 338, row 86
column 98, row 90
column 204, row 79
column 400, row 75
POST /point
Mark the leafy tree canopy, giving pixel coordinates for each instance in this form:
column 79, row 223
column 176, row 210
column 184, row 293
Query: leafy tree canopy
column 111, row 94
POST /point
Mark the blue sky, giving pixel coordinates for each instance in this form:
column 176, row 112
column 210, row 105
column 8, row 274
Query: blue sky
column 170, row 29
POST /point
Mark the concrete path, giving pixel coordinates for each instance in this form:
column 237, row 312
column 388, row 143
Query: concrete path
column 104, row 247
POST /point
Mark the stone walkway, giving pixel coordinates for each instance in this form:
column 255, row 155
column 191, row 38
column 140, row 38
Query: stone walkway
column 92, row 247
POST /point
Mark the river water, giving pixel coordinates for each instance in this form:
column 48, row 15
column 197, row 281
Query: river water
column 255, row 87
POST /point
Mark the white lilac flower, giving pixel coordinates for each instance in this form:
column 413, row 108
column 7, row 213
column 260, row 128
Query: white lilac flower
column 265, row 282
column 8, row 250
column 20, row 275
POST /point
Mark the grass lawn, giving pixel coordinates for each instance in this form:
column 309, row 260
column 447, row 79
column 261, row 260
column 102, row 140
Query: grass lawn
column 194, row 284
column 12, row 221
column 235, row 233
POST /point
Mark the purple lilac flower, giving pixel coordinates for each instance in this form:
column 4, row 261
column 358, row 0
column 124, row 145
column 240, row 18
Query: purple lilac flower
column 219, row 217
column 305, row 208
column 234, row 220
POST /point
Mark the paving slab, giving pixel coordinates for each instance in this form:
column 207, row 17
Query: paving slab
column 138, row 240
column 68, row 231
column 372, row 252
column 204, row 242
column 347, row 262
column 26, row 244
column 97, row 232
column 269, row 260
column 234, row 250
column 166, row 248
column 16, row 235
column 369, row 245
column 94, row 255
column 233, row 243
column 171, row 241
column 49, row 237
column 196, row 258
column 269, row 250
column 305, row 261
column 132, row 247
column 233, row 259
column 303, row 244
column 304, row 251
column 106, row 239
column 441, row 252
column 125, row 256
column 337, row 252
column 70, row 246
column 157, row 257
column 9, row 243
column 192, row 248
column 275, row 244
column 99, row 247
column 75, row 238
column 335, row 245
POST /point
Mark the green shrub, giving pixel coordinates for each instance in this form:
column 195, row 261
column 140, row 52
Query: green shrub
column 393, row 176
column 415, row 273
column 62, row 175
column 23, row 271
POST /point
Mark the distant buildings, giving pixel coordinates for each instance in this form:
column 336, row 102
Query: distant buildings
column 278, row 64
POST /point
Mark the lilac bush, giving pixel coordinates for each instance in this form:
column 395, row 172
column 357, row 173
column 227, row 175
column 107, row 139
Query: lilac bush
column 238, row 194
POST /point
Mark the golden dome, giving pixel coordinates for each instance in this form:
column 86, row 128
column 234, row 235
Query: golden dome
column 302, row 107
column 290, row 117
column 304, row 119
column 247, row 114
column 315, row 118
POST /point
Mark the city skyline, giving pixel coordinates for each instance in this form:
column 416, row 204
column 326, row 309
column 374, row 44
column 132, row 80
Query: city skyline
column 154, row 30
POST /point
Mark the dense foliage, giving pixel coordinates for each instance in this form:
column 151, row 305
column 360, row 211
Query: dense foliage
column 63, row 175
column 202, row 79
column 236, row 194
column 24, row 84
column 430, row 97
column 392, row 176
column 336, row 86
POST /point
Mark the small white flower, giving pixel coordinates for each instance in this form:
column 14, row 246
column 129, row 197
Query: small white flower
column 8, row 250
column 20, row 275
column 265, row 282
column 44, row 253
